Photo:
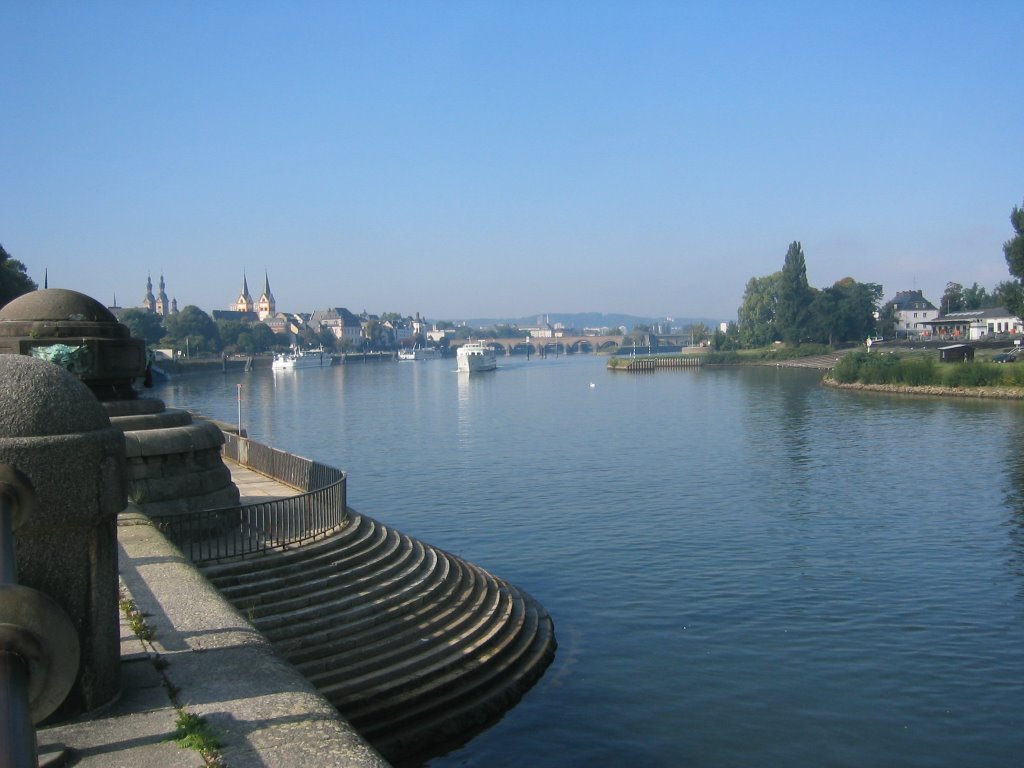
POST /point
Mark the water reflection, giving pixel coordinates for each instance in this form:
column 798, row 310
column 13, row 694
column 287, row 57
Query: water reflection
column 744, row 567
column 1015, row 498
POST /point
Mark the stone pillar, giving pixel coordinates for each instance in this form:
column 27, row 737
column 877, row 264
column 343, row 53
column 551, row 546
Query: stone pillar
column 174, row 464
column 54, row 430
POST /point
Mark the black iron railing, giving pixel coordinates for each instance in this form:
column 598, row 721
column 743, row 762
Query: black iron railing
column 254, row 529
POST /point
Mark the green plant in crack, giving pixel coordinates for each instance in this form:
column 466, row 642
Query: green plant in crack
column 135, row 617
column 193, row 732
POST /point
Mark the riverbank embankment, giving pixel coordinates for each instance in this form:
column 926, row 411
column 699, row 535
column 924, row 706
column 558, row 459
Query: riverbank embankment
column 995, row 393
column 198, row 655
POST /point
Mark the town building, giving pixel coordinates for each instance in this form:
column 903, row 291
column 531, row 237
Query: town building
column 912, row 313
column 339, row 321
column 976, row 324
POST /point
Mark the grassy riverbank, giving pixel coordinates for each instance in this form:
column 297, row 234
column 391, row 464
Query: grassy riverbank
column 920, row 373
column 764, row 356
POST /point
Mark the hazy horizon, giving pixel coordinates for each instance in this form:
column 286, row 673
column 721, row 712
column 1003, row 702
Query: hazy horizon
column 465, row 159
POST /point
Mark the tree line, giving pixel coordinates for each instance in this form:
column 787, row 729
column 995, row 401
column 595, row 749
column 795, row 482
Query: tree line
column 783, row 307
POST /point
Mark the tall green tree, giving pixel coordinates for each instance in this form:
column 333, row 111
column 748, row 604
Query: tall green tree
column 229, row 331
column 976, row 297
column 1013, row 249
column 854, row 310
column 375, row 335
column 192, row 330
column 953, row 299
column 757, row 314
column 264, row 339
column 887, row 320
column 795, row 296
column 14, row 279
column 144, row 325
column 728, row 340
column 699, row 333
column 1009, row 294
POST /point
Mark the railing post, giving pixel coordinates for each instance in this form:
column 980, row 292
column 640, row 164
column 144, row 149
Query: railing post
column 17, row 736
column 38, row 643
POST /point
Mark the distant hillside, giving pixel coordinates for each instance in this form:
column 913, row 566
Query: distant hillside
column 582, row 320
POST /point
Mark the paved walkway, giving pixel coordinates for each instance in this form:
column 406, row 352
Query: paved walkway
column 254, row 487
column 217, row 665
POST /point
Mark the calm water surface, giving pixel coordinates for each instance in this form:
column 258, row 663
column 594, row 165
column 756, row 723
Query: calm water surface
column 744, row 568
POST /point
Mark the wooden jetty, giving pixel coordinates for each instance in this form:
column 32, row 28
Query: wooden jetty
column 653, row 363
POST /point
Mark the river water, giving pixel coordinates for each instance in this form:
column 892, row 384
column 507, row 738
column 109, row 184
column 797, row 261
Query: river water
column 743, row 567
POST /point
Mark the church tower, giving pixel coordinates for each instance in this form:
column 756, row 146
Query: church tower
column 266, row 306
column 149, row 302
column 162, row 304
column 244, row 303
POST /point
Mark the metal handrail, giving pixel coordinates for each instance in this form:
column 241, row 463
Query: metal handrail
column 17, row 736
column 39, row 651
column 254, row 529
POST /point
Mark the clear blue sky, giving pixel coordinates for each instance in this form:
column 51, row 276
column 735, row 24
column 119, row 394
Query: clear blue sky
column 465, row 159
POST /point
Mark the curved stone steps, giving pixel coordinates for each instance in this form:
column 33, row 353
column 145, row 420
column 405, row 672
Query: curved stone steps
column 367, row 546
column 410, row 643
column 413, row 609
column 438, row 717
column 296, row 616
column 239, row 573
column 370, row 669
column 475, row 699
column 346, row 614
column 460, row 593
column 399, row 559
column 286, row 564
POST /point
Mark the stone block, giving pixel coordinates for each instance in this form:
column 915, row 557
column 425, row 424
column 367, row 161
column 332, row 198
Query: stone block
column 53, row 429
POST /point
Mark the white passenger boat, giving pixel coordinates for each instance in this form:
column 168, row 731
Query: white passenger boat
column 301, row 358
column 417, row 353
column 476, row 356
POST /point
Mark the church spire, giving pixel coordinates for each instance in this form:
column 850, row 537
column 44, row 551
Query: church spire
column 149, row 302
column 244, row 302
column 266, row 306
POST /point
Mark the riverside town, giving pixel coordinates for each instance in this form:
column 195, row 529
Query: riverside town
column 205, row 545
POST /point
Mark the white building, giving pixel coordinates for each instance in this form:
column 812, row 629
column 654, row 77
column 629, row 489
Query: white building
column 913, row 312
column 975, row 324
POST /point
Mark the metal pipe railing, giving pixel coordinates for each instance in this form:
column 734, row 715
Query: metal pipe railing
column 39, row 650
column 254, row 529
column 17, row 736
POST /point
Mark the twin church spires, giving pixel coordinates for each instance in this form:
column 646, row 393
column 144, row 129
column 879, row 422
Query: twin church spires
column 264, row 307
column 158, row 304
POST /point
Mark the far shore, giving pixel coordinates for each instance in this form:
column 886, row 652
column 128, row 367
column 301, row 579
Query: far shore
column 994, row 393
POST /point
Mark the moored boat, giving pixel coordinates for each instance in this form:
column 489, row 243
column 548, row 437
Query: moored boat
column 301, row 358
column 418, row 353
column 476, row 356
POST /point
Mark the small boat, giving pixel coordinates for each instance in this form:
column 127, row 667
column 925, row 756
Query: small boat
column 418, row 353
column 301, row 358
column 476, row 356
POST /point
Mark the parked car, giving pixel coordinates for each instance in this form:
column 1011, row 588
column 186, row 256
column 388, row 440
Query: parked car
column 1005, row 357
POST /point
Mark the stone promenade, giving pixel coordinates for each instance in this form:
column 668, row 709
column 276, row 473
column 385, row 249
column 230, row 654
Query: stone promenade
column 203, row 658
